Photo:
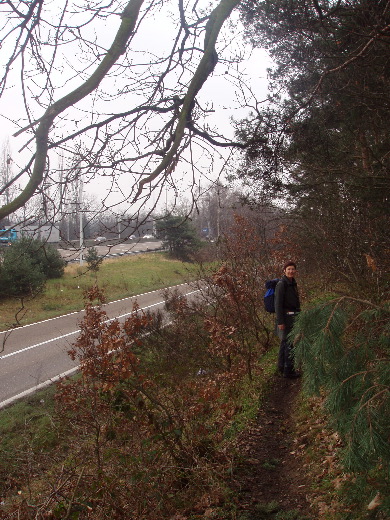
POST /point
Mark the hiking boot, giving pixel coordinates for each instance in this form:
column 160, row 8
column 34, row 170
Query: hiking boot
column 292, row 375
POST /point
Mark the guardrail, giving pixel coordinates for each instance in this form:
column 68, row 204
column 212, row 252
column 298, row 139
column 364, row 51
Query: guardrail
column 110, row 255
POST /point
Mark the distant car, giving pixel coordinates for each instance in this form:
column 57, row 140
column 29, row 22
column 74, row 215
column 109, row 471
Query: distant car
column 100, row 239
column 132, row 237
column 148, row 236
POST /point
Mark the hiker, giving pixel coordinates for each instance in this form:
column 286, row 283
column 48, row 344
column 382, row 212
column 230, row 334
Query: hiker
column 287, row 307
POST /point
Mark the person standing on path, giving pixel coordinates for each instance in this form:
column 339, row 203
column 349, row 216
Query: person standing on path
column 287, row 306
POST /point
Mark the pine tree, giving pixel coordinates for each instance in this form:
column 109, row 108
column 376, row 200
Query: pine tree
column 178, row 236
column 327, row 134
column 343, row 346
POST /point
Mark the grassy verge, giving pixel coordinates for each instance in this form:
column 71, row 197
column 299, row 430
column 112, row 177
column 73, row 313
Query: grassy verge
column 29, row 437
column 120, row 278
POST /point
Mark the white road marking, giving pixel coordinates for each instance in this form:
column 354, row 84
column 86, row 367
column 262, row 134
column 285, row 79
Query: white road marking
column 36, row 345
column 81, row 310
column 34, row 389
column 71, row 371
column 76, row 331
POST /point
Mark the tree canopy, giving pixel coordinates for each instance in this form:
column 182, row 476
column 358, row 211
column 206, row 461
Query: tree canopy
column 326, row 129
column 26, row 265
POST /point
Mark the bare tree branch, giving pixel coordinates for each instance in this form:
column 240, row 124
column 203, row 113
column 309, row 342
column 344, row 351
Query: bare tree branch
column 139, row 109
column 129, row 20
column 203, row 71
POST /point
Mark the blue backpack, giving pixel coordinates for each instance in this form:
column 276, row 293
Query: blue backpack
column 269, row 296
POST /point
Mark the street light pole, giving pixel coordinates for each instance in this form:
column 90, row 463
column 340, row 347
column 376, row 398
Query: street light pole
column 81, row 222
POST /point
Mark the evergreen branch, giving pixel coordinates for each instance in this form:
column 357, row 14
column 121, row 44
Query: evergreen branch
column 358, row 300
column 366, row 302
column 327, row 326
column 355, row 375
column 373, row 397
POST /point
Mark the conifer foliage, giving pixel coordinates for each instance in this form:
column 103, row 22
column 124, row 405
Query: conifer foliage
column 26, row 265
column 327, row 133
column 343, row 346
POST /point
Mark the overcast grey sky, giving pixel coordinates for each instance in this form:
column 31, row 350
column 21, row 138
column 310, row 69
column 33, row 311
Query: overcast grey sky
column 220, row 92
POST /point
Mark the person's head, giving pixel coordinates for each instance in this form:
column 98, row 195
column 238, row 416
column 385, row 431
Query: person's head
column 289, row 269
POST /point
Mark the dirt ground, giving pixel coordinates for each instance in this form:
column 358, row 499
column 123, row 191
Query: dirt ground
column 270, row 480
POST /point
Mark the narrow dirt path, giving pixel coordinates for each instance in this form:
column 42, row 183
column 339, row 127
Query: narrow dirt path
column 270, row 480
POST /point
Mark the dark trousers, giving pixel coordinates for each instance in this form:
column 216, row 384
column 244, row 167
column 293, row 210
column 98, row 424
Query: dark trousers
column 285, row 359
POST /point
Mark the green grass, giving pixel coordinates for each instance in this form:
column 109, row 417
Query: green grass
column 27, row 428
column 272, row 511
column 120, row 278
column 271, row 463
column 253, row 393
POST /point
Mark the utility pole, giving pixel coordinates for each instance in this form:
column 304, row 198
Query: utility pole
column 81, row 222
column 7, row 194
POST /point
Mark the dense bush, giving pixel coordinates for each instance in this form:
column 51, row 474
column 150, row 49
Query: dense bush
column 47, row 256
column 19, row 276
column 26, row 265
column 150, row 411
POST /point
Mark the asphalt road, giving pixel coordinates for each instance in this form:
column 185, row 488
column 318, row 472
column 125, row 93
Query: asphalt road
column 35, row 355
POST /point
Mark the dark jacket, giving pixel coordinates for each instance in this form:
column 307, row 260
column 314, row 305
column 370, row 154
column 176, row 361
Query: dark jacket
column 286, row 299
